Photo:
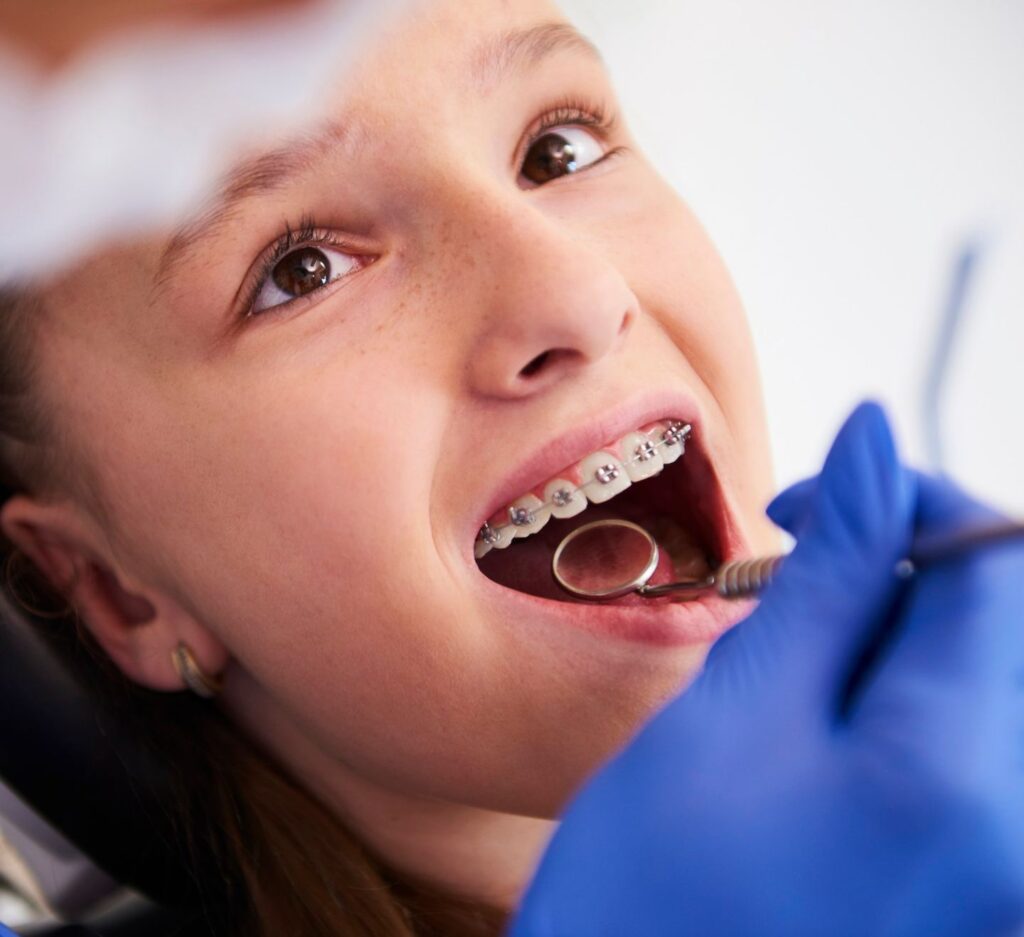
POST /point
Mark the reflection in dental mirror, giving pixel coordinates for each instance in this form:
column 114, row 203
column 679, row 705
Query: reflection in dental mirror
column 605, row 559
column 611, row 558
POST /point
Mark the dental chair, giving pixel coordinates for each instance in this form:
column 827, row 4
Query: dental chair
column 82, row 789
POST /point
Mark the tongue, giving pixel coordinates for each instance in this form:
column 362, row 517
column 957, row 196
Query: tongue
column 688, row 559
column 526, row 565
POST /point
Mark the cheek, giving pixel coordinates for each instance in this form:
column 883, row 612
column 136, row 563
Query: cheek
column 682, row 282
column 305, row 541
column 693, row 296
column 646, row 230
column 308, row 480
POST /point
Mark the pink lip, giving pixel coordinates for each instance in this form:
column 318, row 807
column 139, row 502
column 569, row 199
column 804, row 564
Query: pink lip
column 557, row 454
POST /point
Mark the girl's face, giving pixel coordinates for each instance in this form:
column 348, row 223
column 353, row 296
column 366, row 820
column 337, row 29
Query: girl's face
column 299, row 412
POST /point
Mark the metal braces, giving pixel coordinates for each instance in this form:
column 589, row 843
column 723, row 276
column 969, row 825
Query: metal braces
column 675, row 434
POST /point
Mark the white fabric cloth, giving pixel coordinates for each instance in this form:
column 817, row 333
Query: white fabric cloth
column 135, row 130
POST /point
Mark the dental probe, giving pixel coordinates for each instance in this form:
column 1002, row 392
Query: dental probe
column 626, row 557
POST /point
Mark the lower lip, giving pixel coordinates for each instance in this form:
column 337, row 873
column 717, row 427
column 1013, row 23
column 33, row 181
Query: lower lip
column 657, row 622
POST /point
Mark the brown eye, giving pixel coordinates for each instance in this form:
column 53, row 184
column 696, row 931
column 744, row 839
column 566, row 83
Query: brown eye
column 550, row 157
column 302, row 271
column 559, row 153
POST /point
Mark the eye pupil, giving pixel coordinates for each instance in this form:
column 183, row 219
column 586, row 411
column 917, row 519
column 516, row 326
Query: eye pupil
column 550, row 157
column 302, row 271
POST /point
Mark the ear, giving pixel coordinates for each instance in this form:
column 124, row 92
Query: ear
column 137, row 625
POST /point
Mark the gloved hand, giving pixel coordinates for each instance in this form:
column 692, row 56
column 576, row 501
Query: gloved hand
column 849, row 762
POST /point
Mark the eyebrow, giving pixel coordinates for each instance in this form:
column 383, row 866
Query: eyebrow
column 262, row 175
column 519, row 49
column 495, row 59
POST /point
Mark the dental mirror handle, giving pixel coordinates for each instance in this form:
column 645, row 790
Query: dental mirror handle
column 746, row 578
column 737, row 580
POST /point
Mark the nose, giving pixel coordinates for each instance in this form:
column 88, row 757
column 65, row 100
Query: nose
column 553, row 305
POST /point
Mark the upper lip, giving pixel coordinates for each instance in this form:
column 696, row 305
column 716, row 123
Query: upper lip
column 587, row 436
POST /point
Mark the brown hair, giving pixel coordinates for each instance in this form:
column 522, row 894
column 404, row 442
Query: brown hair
column 290, row 866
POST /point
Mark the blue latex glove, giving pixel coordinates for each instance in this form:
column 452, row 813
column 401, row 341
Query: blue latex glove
column 849, row 762
column 4, row 932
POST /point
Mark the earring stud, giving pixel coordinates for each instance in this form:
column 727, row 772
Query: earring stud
column 192, row 674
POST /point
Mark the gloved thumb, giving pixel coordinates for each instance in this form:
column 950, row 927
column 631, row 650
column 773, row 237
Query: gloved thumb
column 853, row 524
column 790, row 508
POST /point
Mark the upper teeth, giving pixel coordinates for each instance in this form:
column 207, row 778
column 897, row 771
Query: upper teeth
column 602, row 476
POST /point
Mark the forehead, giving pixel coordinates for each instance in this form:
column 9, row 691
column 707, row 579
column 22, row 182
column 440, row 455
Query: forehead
column 444, row 45
column 453, row 50
column 444, row 30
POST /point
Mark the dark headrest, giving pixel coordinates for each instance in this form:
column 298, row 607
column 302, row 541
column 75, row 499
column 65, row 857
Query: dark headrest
column 86, row 763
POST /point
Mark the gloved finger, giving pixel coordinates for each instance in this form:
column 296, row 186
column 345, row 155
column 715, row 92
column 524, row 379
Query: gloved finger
column 944, row 507
column 952, row 669
column 791, row 508
column 942, row 514
column 839, row 581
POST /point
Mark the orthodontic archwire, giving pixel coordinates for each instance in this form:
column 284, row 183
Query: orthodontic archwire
column 676, row 433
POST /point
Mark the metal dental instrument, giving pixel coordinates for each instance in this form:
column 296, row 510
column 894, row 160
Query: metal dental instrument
column 611, row 558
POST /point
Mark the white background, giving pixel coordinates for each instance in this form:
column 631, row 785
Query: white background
column 840, row 153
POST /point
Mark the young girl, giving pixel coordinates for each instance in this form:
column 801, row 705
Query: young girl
column 276, row 456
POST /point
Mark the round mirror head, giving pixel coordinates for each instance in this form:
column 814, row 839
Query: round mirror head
column 605, row 559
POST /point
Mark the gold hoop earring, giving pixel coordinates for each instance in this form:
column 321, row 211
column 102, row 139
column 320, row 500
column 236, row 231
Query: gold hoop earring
column 192, row 675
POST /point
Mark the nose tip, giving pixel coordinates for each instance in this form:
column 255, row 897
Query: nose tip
column 530, row 351
column 551, row 300
column 549, row 363
column 514, row 370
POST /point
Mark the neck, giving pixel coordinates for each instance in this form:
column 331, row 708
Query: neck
column 467, row 851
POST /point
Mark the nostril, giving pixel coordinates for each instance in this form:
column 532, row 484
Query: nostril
column 534, row 366
column 549, row 361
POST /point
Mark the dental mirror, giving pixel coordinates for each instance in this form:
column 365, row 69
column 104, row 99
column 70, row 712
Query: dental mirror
column 610, row 558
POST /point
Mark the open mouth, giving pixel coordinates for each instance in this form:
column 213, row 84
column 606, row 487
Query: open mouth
column 658, row 477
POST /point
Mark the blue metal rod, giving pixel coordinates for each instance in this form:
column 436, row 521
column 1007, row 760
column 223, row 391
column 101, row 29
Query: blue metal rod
column 952, row 319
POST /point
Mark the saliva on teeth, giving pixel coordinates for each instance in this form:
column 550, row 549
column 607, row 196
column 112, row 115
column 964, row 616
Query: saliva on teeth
column 644, row 453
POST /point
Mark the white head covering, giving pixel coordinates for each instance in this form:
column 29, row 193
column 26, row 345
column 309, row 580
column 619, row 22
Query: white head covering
column 136, row 130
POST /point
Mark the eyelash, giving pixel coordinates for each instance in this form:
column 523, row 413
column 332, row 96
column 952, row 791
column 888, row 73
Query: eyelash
column 308, row 234
column 570, row 111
